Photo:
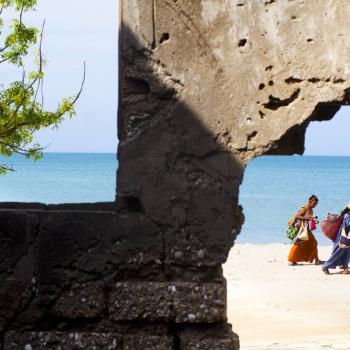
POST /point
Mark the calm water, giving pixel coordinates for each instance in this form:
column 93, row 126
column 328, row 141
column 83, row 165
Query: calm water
column 274, row 188
column 60, row 178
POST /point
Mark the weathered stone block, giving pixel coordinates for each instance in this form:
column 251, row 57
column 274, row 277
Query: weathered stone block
column 166, row 301
column 17, row 232
column 148, row 342
column 77, row 247
column 209, row 344
column 14, row 297
column 136, row 249
column 70, row 244
column 140, row 301
column 85, row 300
column 199, row 303
column 196, row 247
column 61, row 341
column 218, row 337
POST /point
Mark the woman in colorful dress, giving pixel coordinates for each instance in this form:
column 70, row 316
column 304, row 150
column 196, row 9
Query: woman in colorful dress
column 340, row 254
column 305, row 250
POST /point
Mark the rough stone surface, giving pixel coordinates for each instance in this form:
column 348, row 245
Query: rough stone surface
column 250, row 71
column 140, row 301
column 191, row 339
column 218, row 338
column 204, row 87
column 62, row 341
column 201, row 303
column 85, row 300
column 147, row 341
column 87, row 341
column 178, row 302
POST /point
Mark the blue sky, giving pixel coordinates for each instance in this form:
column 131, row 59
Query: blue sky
column 331, row 138
column 78, row 31
column 86, row 30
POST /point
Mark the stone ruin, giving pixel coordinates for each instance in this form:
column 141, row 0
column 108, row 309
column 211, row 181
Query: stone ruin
column 205, row 86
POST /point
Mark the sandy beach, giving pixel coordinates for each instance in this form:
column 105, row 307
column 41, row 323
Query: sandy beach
column 275, row 306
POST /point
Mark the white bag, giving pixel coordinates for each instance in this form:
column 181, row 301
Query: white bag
column 303, row 233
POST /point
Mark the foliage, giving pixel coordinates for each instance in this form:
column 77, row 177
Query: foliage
column 22, row 111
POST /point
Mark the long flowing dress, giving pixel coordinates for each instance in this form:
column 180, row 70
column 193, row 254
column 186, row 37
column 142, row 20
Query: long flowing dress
column 340, row 256
column 304, row 251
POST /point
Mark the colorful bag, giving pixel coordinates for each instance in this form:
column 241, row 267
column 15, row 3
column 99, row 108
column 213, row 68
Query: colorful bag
column 312, row 225
column 293, row 227
column 292, row 232
column 330, row 226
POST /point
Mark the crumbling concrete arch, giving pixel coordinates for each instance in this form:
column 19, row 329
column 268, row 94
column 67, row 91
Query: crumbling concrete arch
column 205, row 86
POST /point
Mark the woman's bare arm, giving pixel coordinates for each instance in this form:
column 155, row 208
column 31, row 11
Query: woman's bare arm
column 301, row 214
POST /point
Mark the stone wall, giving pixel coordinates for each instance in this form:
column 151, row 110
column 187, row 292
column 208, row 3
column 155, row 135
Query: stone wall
column 205, row 86
column 78, row 279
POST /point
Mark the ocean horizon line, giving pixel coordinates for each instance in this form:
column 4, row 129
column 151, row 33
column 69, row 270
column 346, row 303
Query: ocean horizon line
column 306, row 156
column 269, row 156
column 56, row 152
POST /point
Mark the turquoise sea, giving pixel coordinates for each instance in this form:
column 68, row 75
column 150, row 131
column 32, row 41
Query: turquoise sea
column 60, row 178
column 273, row 188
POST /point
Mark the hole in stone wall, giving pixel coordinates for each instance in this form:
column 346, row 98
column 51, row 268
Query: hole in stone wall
column 275, row 102
column 79, row 163
column 262, row 288
column 164, row 37
column 293, row 80
column 252, row 135
column 242, row 42
column 314, row 80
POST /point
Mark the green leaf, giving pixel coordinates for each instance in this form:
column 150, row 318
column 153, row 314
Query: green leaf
column 21, row 111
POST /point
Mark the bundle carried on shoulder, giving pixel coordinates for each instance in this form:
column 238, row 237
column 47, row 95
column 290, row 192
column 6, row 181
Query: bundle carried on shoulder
column 293, row 227
column 331, row 225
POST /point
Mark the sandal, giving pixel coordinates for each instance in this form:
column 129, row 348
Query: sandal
column 326, row 271
column 292, row 263
column 319, row 262
column 346, row 272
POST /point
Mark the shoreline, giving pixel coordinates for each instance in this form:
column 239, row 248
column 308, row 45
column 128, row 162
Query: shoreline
column 279, row 243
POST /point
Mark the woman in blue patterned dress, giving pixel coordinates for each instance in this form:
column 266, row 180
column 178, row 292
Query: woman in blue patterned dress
column 340, row 256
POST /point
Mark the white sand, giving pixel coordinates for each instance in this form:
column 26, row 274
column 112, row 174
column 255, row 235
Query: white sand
column 275, row 306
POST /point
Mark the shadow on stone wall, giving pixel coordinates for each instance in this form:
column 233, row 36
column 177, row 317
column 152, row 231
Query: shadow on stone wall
column 144, row 272
column 172, row 168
